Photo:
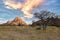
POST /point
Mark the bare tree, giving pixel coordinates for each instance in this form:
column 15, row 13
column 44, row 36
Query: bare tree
column 43, row 15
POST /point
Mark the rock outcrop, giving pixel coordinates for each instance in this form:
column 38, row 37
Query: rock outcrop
column 17, row 22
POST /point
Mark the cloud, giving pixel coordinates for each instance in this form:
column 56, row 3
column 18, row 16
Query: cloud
column 25, row 7
column 12, row 4
column 8, row 7
column 2, row 20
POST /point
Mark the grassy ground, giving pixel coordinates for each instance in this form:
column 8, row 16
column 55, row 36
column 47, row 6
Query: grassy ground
column 28, row 33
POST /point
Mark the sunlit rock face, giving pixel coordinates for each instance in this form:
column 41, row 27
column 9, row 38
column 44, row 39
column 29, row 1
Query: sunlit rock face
column 17, row 22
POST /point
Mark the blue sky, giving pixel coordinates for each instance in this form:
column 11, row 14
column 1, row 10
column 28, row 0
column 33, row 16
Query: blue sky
column 10, row 14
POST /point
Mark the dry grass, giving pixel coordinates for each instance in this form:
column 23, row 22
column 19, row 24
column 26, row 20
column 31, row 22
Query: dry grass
column 28, row 33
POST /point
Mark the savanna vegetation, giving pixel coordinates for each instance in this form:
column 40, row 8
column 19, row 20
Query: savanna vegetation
column 29, row 33
column 46, row 28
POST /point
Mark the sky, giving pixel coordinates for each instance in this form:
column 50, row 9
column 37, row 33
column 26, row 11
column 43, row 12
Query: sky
column 7, row 13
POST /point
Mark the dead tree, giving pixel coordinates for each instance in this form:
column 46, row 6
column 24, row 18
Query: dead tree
column 43, row 15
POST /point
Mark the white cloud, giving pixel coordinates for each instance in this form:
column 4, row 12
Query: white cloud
column 2, row 20
column 8, row 7
column 25, row 7
column 11, row 4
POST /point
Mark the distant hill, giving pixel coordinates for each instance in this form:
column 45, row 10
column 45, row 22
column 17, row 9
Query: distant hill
column 16, row 22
